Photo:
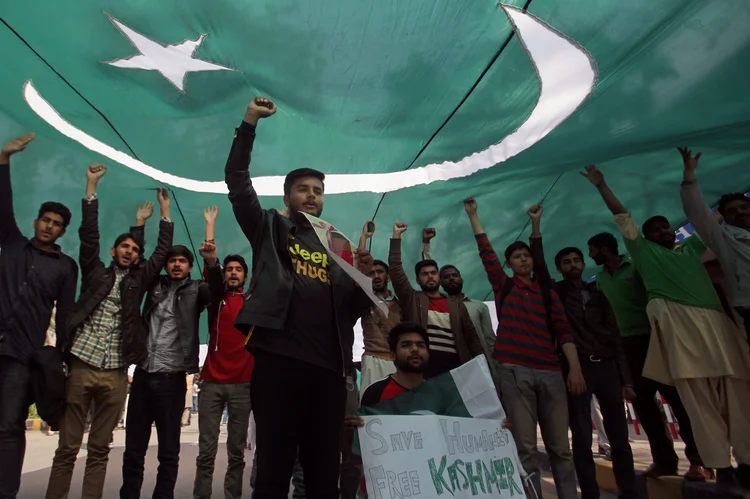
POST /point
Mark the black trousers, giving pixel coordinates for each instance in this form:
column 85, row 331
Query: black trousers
column 15, row 399
column 297, row 406
column 603, row 380
column 160, row 399
column 649, row 415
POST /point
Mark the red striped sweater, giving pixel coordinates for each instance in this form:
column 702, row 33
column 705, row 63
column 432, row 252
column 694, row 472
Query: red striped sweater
column 523, row 337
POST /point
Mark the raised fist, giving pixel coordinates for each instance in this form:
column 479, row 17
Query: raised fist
column 470, row 205
column 428, row 234
column 95, row 172
column 398, row 229
column 261, row 107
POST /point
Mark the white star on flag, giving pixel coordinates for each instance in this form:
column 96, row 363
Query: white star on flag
column 174, row 61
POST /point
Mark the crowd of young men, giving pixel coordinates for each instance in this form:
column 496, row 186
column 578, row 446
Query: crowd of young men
column 651, row 321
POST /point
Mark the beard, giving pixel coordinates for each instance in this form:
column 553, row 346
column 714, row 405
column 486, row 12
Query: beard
column 429, row 288
column 405, row 366
column 454, row 289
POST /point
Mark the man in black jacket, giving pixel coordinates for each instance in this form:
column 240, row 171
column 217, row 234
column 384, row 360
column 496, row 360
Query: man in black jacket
column 603, row 363
column 299, row 319
column 103, row 337
column 34, row 274
column 171, row 316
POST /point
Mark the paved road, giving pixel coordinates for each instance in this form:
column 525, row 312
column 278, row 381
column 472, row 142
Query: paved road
column 40, row 449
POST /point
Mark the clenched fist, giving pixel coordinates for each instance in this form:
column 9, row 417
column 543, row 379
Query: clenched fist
column 95, row 172
column 398, row 229
column 260, row 107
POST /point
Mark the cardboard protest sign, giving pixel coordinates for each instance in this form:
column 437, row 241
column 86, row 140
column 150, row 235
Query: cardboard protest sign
column 343, row 252
column 439, row 456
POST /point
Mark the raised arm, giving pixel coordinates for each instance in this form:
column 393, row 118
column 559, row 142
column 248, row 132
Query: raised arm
column 88, row 233
column 596, row 177
column 427, row 235
column 492, row 266
column 368, row 230
column 9, row 230
column 699, row 214
column 211, row 290
column 541, row 271
column 401, row 285
column 242, row 195
column 152, row 267
column 142, row 214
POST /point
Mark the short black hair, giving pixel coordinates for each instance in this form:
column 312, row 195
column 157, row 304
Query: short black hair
column 293, row 175
column 405, row 328
column 56, row 208
column 180, row 250
column 447, row 267
column 518, row 245
column 237, row 259
column 566, row 251
column 424, row 263
column 728, row 198
column 126, row 236
column 604, row 240
column 651, row 221
column 382, row 264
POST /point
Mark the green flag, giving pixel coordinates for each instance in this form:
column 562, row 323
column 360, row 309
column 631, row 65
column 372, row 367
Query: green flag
column 408, row 107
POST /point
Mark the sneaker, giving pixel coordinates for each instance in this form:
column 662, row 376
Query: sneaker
column 605, row 452
column 698, row 473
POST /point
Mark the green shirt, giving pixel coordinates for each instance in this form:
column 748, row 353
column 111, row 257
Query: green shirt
column 626, row 293
column 677, row 275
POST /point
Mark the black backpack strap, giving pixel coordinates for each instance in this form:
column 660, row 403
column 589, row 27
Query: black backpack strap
column 504, row 292
column 547, row 299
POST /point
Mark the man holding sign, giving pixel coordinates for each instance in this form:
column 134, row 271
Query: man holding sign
column 299, row 321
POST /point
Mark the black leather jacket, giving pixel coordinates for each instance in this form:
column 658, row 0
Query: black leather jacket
column 269, row 295
column 97, row 280
column 190, row 300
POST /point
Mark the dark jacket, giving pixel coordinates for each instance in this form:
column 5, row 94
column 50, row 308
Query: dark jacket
column 268, row 232
column 190, row 300
column 415, row 304
column 595, row 330
column 97, row 281
column 31, row 282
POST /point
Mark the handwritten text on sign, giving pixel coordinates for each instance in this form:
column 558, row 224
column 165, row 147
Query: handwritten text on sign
column 438, row 456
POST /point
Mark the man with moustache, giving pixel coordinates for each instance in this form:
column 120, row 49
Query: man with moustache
column 34, row 275
column 299, row 321
column 376, row 327
column 603, row 364
column 226, row 377
column 453, row 337
column 453, row 285
column 103, row 337
column 171, row 313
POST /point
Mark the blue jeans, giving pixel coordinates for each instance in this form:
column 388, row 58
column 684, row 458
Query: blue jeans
column 532, row 396
column 15, row 399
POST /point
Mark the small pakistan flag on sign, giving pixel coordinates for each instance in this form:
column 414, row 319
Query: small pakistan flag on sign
column 441, row 439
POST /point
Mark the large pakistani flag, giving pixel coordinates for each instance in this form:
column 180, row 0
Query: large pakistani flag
column 408, row 107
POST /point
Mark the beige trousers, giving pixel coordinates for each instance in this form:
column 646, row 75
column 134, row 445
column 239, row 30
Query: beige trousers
column 718, row 410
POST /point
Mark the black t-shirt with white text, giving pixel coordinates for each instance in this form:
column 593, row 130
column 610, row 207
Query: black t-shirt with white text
column 310, row 332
